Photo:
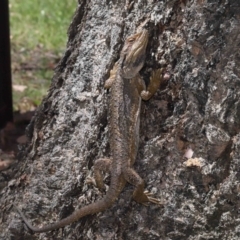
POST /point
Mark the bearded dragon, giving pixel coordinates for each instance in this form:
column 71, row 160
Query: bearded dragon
column 127, row 90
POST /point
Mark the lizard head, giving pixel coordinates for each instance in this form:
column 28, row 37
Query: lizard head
column 133, row 54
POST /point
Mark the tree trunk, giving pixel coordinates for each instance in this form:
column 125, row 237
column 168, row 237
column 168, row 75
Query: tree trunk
column 189, row 136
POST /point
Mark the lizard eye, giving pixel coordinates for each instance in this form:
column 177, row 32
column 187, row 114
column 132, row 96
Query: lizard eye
column 130, row 40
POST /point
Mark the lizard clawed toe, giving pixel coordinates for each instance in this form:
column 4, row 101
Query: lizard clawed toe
column 152, row 199
column 90, row 180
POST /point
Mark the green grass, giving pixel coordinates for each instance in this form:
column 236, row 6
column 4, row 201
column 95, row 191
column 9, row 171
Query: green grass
column 41, row 22
column 38, row 39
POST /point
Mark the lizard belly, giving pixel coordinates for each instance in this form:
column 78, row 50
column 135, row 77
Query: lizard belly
column 133, row 146
column 132, row 102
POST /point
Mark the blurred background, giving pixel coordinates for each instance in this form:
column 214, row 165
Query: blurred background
column 38, row 37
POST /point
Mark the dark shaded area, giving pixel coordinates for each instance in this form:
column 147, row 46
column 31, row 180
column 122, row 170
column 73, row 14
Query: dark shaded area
column 6, row 111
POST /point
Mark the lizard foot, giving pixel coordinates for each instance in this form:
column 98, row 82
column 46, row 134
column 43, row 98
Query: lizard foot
column 152, row 199
column 90, row 180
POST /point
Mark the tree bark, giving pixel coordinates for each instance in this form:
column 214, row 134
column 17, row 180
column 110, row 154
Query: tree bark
column 196, row 110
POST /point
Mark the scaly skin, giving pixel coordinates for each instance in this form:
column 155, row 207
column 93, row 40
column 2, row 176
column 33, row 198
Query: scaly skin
column 127, row 89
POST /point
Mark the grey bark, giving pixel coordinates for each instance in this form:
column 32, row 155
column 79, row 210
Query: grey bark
column 197, row 109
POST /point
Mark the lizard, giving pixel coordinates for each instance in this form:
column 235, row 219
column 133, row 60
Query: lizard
column 127, row 90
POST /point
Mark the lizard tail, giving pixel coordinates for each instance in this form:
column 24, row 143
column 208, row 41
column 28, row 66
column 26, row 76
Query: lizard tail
column 92, row 208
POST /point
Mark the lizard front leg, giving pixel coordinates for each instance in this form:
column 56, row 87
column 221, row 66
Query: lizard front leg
column 154, row 84
column 112, row 77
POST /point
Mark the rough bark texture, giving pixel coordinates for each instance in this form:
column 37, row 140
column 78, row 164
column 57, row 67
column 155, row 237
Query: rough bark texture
column 197, row 109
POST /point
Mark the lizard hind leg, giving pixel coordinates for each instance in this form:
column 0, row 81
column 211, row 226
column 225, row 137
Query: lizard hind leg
column 101, row 165
column 139, row 195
